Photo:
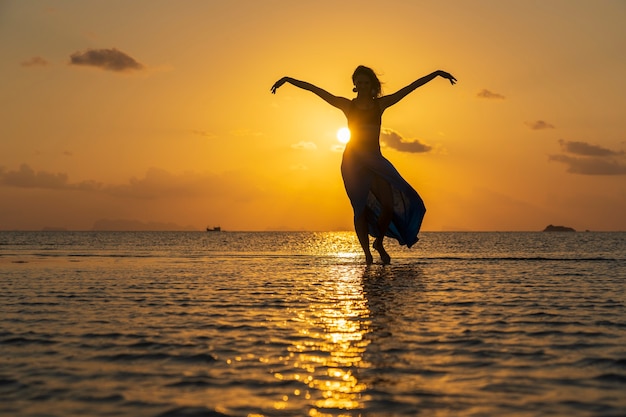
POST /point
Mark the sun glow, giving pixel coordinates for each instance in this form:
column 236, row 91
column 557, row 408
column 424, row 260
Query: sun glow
column 343, row 135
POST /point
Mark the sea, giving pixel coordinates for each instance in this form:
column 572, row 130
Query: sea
column 256, row 324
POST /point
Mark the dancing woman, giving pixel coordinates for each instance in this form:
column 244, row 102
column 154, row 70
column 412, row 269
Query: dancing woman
column 384, row 203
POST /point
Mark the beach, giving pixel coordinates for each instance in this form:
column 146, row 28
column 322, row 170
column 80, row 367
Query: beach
column 295, row 324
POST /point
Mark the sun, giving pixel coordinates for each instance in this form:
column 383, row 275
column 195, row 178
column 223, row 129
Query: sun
column 343, row 135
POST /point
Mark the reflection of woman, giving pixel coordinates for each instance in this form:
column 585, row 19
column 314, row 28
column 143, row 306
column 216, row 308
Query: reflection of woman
column 384, row 203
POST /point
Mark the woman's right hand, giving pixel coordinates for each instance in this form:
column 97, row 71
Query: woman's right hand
column 447, row 76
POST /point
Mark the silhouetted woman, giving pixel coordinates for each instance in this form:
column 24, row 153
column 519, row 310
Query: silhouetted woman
column 384, row 203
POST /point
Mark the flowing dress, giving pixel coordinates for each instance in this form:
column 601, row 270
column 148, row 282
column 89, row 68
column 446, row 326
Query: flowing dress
column 363, row 161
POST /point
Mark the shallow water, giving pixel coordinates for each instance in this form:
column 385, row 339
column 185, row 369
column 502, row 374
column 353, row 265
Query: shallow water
column 293, row 324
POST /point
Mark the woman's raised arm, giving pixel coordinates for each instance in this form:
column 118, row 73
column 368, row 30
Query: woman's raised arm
column 392, row 99
column 335, row 101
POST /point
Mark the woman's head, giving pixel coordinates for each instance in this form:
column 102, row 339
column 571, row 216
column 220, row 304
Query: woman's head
column 366, row 82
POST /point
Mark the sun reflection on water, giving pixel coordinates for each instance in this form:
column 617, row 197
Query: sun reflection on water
column 330, row 353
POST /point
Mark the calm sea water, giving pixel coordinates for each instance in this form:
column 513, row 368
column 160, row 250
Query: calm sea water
column 294, row 324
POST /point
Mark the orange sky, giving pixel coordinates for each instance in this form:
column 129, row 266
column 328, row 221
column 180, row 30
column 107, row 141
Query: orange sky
column 159, row 111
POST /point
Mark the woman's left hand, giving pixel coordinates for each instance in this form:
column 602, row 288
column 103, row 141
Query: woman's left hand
column 277, row 84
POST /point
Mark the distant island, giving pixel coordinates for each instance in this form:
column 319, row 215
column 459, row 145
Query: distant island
column 125, row 225
column 551, row 228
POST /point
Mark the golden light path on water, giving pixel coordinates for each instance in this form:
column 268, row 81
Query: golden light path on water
column 332, row 340
column 337, row 328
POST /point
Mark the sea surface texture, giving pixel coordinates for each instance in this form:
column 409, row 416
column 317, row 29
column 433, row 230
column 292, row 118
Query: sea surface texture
column 294, row 324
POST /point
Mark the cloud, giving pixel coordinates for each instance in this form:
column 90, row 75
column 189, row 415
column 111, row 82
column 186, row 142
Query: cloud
column 590, row 166
column 586, row 149
column 26, row 177
column 35, row 61
column 203, row 133
column 394, row 140
column 587, row 159
column 156, row 184
column 539, row 125
column 232, row 199
column 106, row 59
column 306, row 146
column 161, row 184
column 484, row 93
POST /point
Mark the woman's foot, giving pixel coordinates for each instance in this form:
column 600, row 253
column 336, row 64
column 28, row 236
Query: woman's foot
column 384, row 256
column 369, row 259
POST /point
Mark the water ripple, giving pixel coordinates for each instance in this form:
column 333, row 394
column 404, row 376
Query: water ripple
column 296, row 329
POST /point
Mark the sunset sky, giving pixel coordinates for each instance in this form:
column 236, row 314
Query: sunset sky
column 160, row 111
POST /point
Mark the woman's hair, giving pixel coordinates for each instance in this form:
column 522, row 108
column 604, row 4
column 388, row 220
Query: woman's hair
column 376, row 85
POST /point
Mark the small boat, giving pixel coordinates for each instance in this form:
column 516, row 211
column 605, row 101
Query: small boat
column 214, row 229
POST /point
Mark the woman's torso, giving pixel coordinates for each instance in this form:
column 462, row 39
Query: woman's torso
column 364, row 124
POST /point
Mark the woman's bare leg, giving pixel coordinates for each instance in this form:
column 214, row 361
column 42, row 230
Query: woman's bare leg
column 361, row 228
column 382, row 191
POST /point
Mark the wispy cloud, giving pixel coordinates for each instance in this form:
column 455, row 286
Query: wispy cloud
column 157, row 183
column 590, row 166
column 588, row 159
column 161, row 184
column 394, row 140
column 203, row 133
column 539, row 125
column 484, row 93
column 586, row 149
column 106, row 59
column 35, row 61
column 306, row 146
column 26, row 177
